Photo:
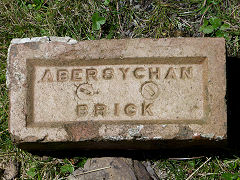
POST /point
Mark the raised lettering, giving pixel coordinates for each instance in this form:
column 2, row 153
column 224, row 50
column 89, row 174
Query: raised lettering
column 136, row 73
column 62, row 75
column 76, row 74
column 47, row 76
column 108, row 73
column 146, row 108
column 186, row 73
column 155, row 73
column 130, row 109
column 100, row 109
column 82, row 110
column 91, row 73
column 124, row 72
column 116, row 109
column 171, row 74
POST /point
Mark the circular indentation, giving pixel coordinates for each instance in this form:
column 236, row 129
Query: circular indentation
column 149, row 90
column 84, row 91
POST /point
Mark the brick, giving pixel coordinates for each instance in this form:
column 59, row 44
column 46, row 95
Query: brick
column 117, row 94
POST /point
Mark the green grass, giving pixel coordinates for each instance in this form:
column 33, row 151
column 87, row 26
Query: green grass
column 120, row 19
column 215, row 168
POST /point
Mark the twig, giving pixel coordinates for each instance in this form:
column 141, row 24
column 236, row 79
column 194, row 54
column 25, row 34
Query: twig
column 199, row 168
column 119, row 18
column 185, row 22
column 204, row 3
column 94, row 170
column 205, row 13
column 234, row 10
column 7, row 154
column 3, row 131
column 207, row 174
column 186, row 158
column 220, row 165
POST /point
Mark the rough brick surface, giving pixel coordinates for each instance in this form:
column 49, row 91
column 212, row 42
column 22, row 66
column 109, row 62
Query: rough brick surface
column 117, row 93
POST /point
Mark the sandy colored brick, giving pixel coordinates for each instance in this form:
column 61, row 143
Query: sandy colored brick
column 117, row 94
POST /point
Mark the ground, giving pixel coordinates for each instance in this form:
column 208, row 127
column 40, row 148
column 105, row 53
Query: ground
column 88, row 20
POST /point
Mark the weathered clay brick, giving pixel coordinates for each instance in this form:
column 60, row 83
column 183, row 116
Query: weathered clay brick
column 117, row 93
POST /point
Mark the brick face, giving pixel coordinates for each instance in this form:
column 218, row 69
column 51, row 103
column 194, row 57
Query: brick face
column 115, row 91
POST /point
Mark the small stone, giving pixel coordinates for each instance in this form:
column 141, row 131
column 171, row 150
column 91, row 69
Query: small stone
column 45, row 158
column 150, row 170
column 111, row 168
column 11, row 170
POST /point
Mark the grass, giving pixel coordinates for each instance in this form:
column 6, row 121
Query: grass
column 120, row 19
column 215, row 168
